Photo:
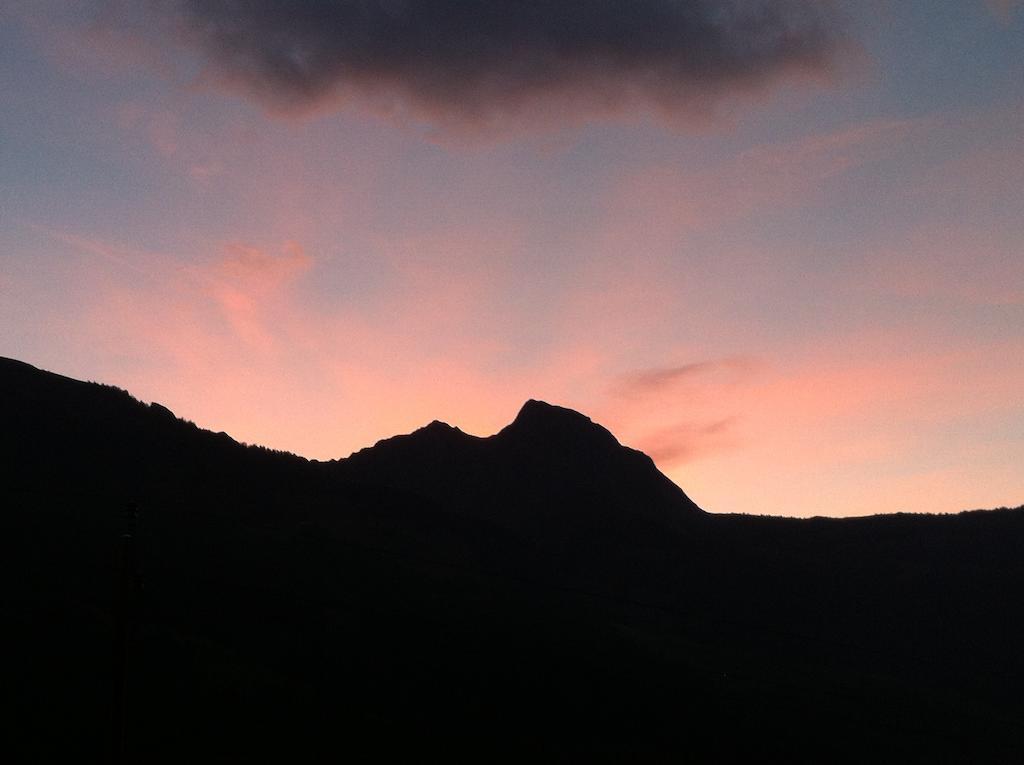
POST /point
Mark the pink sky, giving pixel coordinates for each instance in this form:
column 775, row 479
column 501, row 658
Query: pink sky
column 806, row 302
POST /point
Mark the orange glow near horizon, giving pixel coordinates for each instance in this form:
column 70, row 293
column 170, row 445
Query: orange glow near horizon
column 805, row 300
column 234, row 347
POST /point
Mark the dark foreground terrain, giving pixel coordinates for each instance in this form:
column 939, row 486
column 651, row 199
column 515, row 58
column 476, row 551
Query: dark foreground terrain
column 540, row 594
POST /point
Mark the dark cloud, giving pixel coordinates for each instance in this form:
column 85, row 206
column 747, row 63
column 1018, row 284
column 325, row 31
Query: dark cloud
column 484, row 59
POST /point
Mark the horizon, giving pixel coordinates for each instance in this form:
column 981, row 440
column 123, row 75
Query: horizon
column 788, row 266
column 477, row 436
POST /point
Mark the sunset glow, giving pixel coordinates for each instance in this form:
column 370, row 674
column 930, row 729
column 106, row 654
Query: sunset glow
column 798, row 286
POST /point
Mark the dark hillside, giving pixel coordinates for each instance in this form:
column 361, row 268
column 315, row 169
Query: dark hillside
column 541, row 593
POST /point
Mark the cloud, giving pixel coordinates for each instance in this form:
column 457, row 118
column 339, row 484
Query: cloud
column 123, row 257
column 699, row 399
column 243, row 262
column 662, row 379
column 249, row 288
column 248, row 282
column 161, row 128
column 688, row 441
column 654, row 206
column 467, row 61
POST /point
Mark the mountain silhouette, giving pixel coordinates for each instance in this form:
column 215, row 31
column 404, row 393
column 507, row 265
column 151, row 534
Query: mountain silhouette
column 550, row 468
column 545, row 593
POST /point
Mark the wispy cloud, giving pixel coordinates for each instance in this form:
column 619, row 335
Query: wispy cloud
column 661, row 203
column 660, row 379
column 123, row 257
column 698, row 398
column 245, row 283
column 688, row 441
column 176, row 134
column 247, row 280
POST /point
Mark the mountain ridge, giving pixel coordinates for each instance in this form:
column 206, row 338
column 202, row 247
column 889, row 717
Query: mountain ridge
column 548, row 455
column 450, row 593
column 558, row 452
column 10, row 365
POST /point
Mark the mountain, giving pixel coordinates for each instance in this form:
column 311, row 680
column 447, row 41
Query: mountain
column 544, row 593
column 534, row 475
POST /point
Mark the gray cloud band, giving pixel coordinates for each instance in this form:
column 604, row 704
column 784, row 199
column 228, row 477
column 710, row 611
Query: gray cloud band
column 466, row 59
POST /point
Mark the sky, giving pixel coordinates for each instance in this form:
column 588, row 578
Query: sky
column 778, row 246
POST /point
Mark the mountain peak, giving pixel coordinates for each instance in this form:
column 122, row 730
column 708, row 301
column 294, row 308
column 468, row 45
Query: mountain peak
column 541, row 411
column 541, row 421
column 434, row 434
column 436, row 426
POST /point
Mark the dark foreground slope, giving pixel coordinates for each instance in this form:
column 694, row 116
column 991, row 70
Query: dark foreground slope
column 541, row 593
